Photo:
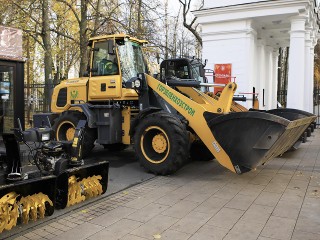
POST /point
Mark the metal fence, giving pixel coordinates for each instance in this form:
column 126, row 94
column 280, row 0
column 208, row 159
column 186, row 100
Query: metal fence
column 35, row 101
column 316, row 103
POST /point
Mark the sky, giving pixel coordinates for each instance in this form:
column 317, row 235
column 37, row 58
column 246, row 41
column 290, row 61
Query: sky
column 174, row 5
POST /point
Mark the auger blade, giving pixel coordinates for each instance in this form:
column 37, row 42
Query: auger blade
column 13, row 216
column 28, row 199
column 9, row 211
column 92, row 186
column 74, row 191
column 26, row 204
column 81, row 183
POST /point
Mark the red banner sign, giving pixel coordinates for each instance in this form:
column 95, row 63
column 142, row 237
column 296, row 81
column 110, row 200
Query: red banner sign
column 222, row 73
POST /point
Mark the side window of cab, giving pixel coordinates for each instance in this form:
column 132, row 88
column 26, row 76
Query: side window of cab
column 104, row 64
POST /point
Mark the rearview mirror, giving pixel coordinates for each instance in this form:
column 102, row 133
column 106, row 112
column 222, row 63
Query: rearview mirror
column 201, row 71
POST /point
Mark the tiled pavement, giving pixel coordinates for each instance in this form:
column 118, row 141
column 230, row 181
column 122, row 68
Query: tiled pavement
column 203, row 201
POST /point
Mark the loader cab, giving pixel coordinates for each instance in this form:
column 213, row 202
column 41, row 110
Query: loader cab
column 131, row 59
column 105, row 61
column 184, row 69
column 115, row 60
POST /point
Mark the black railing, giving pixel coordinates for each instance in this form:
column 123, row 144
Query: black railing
column 316, row 103
column 35, row 100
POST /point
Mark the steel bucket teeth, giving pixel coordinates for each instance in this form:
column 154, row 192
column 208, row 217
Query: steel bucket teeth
column 30, row 207
column 81, row 190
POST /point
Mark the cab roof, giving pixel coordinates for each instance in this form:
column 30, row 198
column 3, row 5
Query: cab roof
column 118, row 36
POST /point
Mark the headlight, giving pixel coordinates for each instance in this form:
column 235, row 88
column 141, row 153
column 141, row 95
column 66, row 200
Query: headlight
column 45, row 137
column 137, row 83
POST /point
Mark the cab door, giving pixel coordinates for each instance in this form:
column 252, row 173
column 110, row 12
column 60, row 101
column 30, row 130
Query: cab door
column 105, row 80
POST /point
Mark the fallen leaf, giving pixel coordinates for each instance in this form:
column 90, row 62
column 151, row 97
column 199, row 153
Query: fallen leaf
column 157, row 236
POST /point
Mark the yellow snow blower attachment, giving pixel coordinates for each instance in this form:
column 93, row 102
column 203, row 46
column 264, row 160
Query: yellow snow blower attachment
column 26, row 200
column 61, row 178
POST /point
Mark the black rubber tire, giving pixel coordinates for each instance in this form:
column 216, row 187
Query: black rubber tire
column 71, row 118
column 309, row 132
column 116, row 147
column 177, row 143
column 199, row 152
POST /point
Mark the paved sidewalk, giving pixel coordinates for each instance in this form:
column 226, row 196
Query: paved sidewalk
column 204, row 201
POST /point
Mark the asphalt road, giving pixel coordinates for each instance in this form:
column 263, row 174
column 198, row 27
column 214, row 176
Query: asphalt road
column 124, row 169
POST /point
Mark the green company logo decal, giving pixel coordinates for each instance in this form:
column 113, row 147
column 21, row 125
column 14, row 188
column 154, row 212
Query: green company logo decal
column 74, row 94
column 176, row 100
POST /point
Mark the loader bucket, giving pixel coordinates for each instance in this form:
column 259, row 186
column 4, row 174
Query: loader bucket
column 26, row 200
column 252, row 138
column 290, row 114
column 293, row 114
column 81, row 183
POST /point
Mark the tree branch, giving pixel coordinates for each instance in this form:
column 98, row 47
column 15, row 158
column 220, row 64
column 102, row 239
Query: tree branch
column 23, row 10
column 186, row 9
column 72, row 9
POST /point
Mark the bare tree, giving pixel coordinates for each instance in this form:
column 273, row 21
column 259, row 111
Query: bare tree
column 192, row 26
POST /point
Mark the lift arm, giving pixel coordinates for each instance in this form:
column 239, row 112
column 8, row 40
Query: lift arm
column 194, row 113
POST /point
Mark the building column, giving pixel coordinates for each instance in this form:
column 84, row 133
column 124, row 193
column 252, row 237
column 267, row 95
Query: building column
column 312, row 76
column 314, row 41
column 274, row 99
column 296, row 75
column 261, row 73
column 308, row 91
column 269, row 76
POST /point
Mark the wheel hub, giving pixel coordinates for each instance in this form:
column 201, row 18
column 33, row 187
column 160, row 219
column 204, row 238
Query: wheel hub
column 159, row 143
column 70, row 133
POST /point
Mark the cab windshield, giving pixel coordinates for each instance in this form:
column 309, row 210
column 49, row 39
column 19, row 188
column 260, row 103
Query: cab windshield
column 195, row 69
column 131, row 59
column 196, row 73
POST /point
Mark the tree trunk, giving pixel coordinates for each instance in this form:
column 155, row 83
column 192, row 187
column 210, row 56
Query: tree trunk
column 83, row 38
column 97, row 18
column 190, row 27
column 139, row 12
column 166, row 55
column 48, row 62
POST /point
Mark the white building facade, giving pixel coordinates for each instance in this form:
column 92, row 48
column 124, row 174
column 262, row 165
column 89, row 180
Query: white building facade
column 248, row 35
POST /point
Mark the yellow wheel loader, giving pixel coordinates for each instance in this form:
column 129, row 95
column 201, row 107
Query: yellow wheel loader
column 122, row 104
column 190, row 68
